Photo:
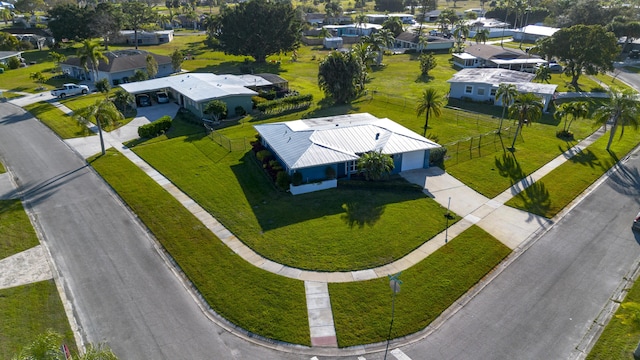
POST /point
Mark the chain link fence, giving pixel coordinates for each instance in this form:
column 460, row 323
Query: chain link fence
column 230, row 145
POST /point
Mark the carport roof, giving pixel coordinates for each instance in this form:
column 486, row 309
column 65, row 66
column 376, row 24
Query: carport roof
column 195, row 86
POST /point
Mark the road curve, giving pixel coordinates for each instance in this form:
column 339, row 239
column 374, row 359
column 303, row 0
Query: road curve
column 120, row 289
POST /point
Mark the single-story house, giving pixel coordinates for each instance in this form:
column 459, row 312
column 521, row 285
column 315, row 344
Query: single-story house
column 481, row 85
column 533, row 33
column 121, row 67
column 411, row 40
column 6, row 55
column 365, row 29
column 310, row 146
column 37, row 41
column 491, row 56
column 194, row 90
column 381, row 18
column 145, row 37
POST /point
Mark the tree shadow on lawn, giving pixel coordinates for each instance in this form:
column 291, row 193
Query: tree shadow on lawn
column 274, row 209
column 241, row 67
column 625, row 180
column 536, row 199
column 586, row 157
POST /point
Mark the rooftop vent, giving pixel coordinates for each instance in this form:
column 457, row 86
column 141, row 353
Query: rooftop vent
column 377, row 136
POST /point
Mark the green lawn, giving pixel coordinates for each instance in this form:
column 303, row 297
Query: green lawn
column 618, row 340
column 2, row 169
column 362, row 310
column 65, row 126
column 76, row 103
column 17, row 233
column 552, row 193
column 254, row 299
column 28, row 311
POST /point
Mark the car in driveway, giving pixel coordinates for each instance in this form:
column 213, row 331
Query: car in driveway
column 162, row 97
column 636, row 223
column 143, row 100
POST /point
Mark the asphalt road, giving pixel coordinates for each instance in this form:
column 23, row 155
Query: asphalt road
column 542, row 305
column 121, row 290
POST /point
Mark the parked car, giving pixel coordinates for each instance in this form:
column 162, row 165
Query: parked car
column 162, row 97
column 69, row 90
column 143, row 100
column 555, row 67
column 636, row 223
column 634, row 54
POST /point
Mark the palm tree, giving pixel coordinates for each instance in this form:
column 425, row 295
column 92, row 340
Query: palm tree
column 102, row 113
column 383, row 38
column 365, row 53
column 621, row 110
column 506, row 18
column 324, row 33
column 90, row 53
column 577, row 109
column 481, row 36
column 430, row 103
column 375, row 165
column 393, row 24
column 361, row 19
column 506, row 93
column 543, row 74
column 122, row 100
column 526, row 109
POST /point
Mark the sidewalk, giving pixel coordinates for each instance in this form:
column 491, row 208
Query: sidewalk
column 511, row 226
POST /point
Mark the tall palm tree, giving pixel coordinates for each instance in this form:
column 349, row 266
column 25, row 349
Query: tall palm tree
column 622, row 109
column 506, row 93
column 365, row 53
column 90, row 54
column 360, row 20
column 383, row 38
column 526, row 108
column 506, row 19
column 394, row 24
column 577, row 109
column 430, row 103
column 102, row 113
column 423, row 43
column 543, row 74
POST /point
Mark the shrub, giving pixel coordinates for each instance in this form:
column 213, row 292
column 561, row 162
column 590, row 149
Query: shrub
column 240, row 111
column 283, row 180
column 564, row 135
column 296, row 179
column 436, row 156
column 13, row 63
column 263, row 155
column 330, row 172
column 257, row 100
column 155, row 128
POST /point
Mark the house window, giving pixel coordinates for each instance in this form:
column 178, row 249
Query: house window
column 480, row 91
column 468, row 89
column 351, row 167
column 493, row 92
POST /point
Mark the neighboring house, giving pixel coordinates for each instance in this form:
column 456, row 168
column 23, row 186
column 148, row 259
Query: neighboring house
column 122, row 65
column 37, row 41
column 381, row 18
column 310, row 146
column 314, row 18
column 491, row 56
column 145, row 37
column 321, row 18
column 411, row 40
column 365, row 29
column 6, row 55
column 481, row 85
column 533, row 33
column 194, row 90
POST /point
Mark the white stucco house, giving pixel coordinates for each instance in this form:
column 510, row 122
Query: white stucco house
column 310, row 146
column 491, row 56
column 481, row 85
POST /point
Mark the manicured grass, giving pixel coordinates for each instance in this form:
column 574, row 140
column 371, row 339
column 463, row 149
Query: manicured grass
column 256, row 300
column 613, row 82
column 17, row 233
column 28, row 311
column 8, row 95
column 2, row 169
column 334, row 230
column 362, row 310
column 65, row 126
column 552, row 193
column 618, row 340
column 76, row 103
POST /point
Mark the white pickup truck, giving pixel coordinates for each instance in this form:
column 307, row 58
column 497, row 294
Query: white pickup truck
column 69, row 90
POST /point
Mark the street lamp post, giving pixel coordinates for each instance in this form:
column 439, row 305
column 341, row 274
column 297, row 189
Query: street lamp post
column 394, row 283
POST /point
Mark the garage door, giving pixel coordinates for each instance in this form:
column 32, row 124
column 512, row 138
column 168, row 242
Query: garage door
column 412, row 160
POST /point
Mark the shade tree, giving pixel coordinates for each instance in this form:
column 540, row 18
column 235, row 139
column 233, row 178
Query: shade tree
column 340, row 75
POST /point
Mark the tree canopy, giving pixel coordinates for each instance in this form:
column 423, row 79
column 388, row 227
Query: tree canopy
column 137, row 14
column 69, row 22
column 582, row 48
column 339, row 76
column 257, row 28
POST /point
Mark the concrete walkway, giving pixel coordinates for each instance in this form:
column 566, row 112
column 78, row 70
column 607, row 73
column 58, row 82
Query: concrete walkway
column 510, row 226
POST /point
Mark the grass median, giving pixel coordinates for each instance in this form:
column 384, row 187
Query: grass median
column 254, row 299
column 362, row 310
column 549, row 195
column 17, row 233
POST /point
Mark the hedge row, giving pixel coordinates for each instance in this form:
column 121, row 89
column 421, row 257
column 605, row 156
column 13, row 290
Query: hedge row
column 155, row 128
column 285, row 104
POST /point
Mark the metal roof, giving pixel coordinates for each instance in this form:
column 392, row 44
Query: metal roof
column 330, row 140
column 497, row 76
column 195, row 86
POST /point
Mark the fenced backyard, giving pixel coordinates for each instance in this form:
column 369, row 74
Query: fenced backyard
column 239, row 144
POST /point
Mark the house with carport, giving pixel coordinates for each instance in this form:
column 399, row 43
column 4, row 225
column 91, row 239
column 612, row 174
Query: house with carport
column 410, row 40
column 311, row 146
column 491, row 56
column 194, row 90
column 481, row 85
